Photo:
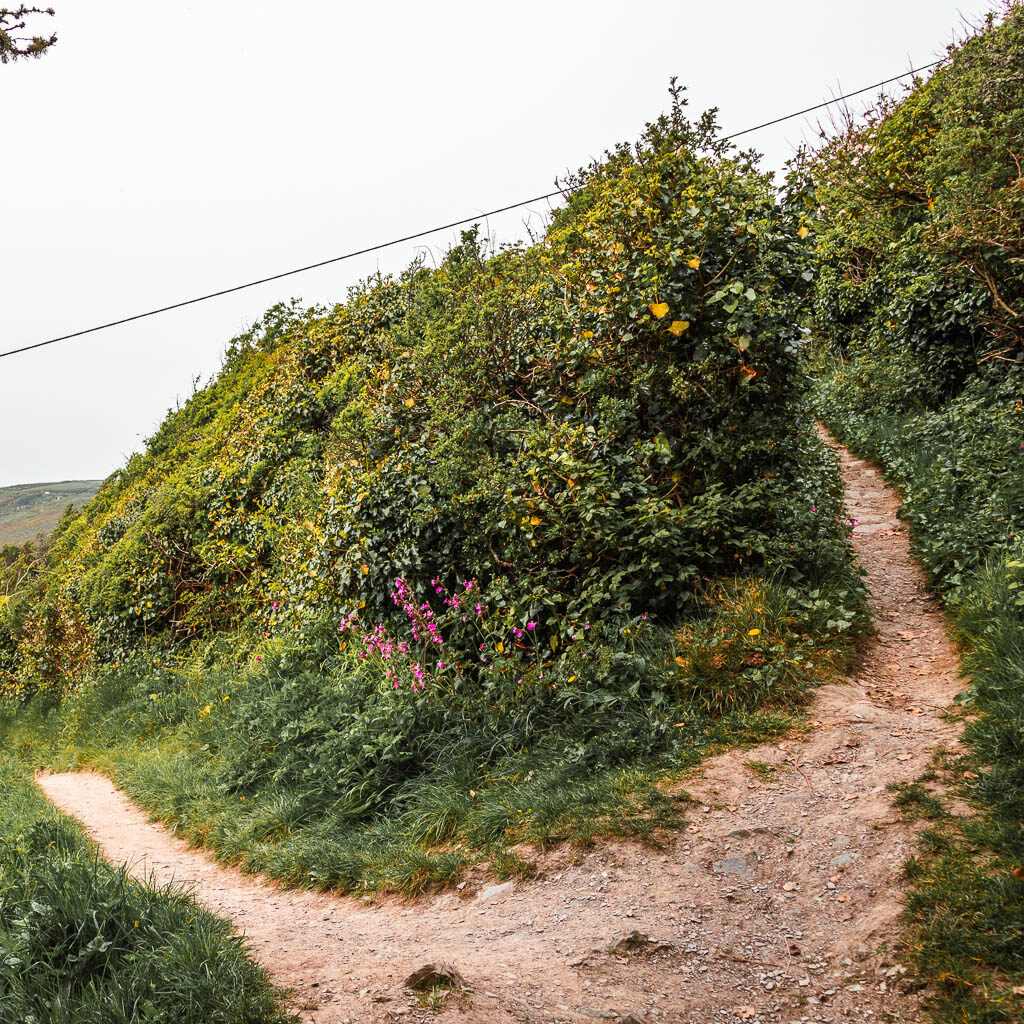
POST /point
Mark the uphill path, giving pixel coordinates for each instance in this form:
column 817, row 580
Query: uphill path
column 779, row 902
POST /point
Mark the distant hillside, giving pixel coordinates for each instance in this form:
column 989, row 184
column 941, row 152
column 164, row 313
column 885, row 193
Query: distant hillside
column 29, row 509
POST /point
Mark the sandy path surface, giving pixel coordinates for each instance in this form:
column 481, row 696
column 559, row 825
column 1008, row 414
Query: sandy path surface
column 780, row 898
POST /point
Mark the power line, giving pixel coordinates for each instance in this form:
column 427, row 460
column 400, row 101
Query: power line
column 277, row 277
column 429, row 231
column 838, row 99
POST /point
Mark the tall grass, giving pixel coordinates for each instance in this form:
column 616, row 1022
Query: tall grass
column 83, row 943
column 311, row 767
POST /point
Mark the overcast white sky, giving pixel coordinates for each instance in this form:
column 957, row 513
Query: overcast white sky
column 166, row 150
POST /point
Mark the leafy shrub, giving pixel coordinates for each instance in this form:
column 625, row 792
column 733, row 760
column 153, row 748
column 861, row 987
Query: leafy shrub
column 436, row 541
column 587, row 426
column 919, row 277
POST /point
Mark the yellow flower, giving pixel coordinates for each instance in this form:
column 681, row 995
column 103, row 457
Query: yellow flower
column 753, row 632
column 694, row 263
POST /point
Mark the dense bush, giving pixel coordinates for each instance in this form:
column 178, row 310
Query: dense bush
column 920, row 279
column 588, row 426
column 466, row 533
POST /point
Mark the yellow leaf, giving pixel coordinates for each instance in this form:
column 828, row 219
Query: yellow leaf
column 753, row 632
column 694, row 263
column 365, row 568
column 659, row 309
column 680, row 660
column 588, row 334
column 534, row 520
column 499, row 646
column 410, row 402
column 678, row 326
column 803, row 232
column 572, row 679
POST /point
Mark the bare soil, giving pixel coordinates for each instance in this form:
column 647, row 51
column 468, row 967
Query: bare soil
column 779, row 902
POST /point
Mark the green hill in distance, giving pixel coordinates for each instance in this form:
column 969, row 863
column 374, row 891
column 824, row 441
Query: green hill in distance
column 27, row 510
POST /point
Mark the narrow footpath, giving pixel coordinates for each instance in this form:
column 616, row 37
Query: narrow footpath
column 778, row 902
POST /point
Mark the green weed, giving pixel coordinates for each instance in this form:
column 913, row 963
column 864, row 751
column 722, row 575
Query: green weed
column 765, row 772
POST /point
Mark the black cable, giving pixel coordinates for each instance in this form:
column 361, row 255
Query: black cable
column 838, row 99
column 429, row 231
column 276, row 277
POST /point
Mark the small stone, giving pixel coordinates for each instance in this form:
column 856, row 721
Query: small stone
column 591, row 1012
column 638, row 942
column 494, row 892
column 843, row 859
column 732, row 866
column 434, row 975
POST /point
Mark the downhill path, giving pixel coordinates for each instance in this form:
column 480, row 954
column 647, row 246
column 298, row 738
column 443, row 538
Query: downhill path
column 780, row 898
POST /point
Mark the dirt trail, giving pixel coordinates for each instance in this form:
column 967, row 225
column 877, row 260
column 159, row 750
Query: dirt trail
column 780, row 898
